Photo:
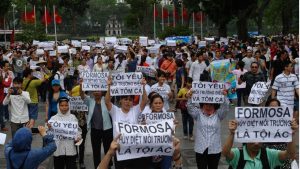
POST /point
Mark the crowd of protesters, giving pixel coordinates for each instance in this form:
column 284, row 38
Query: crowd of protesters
column 259, row 60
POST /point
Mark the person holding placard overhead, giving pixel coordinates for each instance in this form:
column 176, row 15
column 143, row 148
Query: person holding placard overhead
column 208, row 119
column 254, row 155
column 125, row 113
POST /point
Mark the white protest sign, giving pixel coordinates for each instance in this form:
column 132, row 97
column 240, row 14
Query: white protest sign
column 76, row 43
column 171, row 42
column 258, row 92
column 207, row 92
column 144, row 140
column 161, row 90
column 151, row 42
column 72, row 51
column 52, row 53
column 38, row 75
column 35, row 42
column 155, row 117
column 62, row 49
column 224, row 40
column 39, row 51
column 45, row 44
column 85, row 48
column 71, row 71
column 121, row 49
column 202, row 44
column 94, row 81
column 47, row 49
column 2, row 138
column 111, row 40
column 63, row 130
column 143, row 40
column 146, row 70
column 77, row 104
column 126, row 84
column 263, row 124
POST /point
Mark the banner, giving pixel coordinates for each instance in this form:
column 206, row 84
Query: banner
column 258, row 92
column 71, row 71
column 163, row 91
column 143, row 40
column 77, row 104
column 63, row 130
column 155, row 117
column 263, row 124
column 144, row 140
column 62, row 49
column 126, row 84
column 220, row 72
column 94, row 81
column 207, row 92
column 180, row 39
column 146, row 70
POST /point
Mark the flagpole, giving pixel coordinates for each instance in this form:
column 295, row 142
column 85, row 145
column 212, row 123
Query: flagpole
column 25, row 14
column 154, row 24
column 46, row 22
column 182, row 14
column 174, row 22
column 162, row 18
column 34, row 16
column 4, row 32
column 168, row 18
column 201, row 24
column 54, row 26
column 193, row 23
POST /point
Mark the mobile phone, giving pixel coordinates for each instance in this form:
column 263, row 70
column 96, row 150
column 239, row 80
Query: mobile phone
column 35, row 130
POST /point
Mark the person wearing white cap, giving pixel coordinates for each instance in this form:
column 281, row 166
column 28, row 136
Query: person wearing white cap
column 248, row 59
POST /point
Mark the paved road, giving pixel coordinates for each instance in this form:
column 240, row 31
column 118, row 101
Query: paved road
column 188, row 153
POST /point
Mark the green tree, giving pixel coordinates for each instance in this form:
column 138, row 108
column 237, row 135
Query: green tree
column 30, row 33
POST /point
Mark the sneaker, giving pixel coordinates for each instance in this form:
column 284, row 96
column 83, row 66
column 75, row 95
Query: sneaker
column 185, row 137
column 191, row 138
column 82, row 166
column 4, row 129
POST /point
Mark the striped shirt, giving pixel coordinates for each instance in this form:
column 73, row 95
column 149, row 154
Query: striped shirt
column 285, row 86
column 208, row 128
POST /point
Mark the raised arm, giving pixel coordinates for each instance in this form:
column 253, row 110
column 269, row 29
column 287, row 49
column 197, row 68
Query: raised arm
column 104, row 164
column 144, row 96
column 107, row 96
column 226, row 151
column 193, row 110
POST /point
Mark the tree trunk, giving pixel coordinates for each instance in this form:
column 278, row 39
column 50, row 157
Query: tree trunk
column 242, row 28
column 222, row 30
column 259, row 24
column 286, row 12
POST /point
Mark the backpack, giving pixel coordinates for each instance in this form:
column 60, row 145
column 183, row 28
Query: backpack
column 263, row 158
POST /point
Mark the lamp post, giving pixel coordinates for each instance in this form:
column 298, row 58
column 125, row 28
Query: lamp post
column 14, row 6
column 201, row 25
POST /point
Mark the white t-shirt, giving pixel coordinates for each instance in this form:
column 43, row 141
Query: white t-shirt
column 238, row 74
column 163, row 90
column 131, row 117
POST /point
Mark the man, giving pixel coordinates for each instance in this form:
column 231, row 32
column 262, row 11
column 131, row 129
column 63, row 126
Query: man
column 251, row 78
column 252, row 152
column 19, row 64
column 169, row 67
column 285, row 85
column 99, row 122
column 17, row 101
column 249, row 59
column 188, row 65
column 31, row 85
column 60, row 75
column 277, row 66
column 19, row 154
column 197, row 68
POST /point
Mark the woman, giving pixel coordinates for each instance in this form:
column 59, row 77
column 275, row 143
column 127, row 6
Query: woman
column 180, row 74
column 278, row 146
column 76, row 60
column 121, row 63
column 54, row 94
column 163, row 89
column 131, row 62
column 65, row 155
column 99, row 67
column 208, row 131
column 241, row 87
column 125, row 113
column 84, row 67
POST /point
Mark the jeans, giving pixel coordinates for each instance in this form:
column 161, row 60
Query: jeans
column 65, row 162
column 20, row 75
column 2, row 124
column 207, row 161
column 33, row 110
column 97, row 138
column 82, row 147
column 240, row 95
column 187, row 123
column 15, row 127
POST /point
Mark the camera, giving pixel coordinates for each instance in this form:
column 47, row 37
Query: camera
column 15, row 91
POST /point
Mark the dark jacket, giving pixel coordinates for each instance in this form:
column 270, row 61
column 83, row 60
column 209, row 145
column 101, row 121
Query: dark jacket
column 18, row 152
column 251, row 78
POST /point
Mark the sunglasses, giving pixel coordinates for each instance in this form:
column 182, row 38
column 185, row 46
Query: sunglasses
column 254, row 67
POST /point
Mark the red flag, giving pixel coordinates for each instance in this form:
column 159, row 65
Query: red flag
column 155, row 11
column 12, row 39
column 29, row 17
column 165, row 13
column 46, row 17
column 198, row 17
column 185, row 14
column 58, row 19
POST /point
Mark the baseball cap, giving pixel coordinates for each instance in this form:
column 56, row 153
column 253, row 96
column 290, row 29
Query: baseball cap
column 250, row 48
column 55, row 82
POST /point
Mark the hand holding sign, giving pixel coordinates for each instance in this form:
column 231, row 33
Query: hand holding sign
column 109, row 81
column 143, row 82
column 114, row 146
column 294, row 125
column 232, row 125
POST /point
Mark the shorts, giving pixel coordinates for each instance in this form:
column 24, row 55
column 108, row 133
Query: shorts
column 33, row 109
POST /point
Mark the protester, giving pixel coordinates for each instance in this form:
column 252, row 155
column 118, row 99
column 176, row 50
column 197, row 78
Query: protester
column 197, row 67
column 208, row 119
column 252, row 152
column 241, row 86
column 17, row 101
column 99, row 122
column 99, row 67
column 19, row 63
column 65, row 155
column 169, row 67
column 19, row 154
column 248, row 60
